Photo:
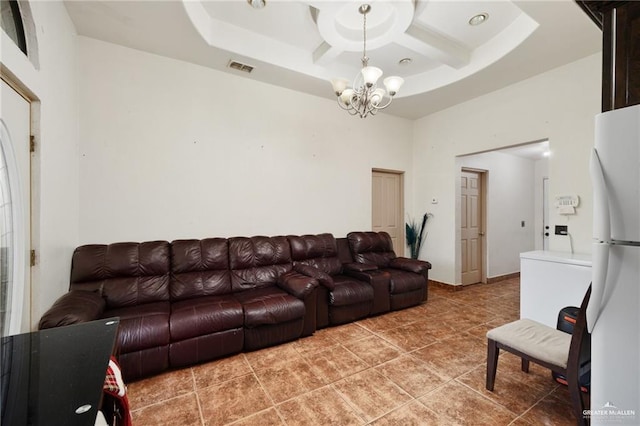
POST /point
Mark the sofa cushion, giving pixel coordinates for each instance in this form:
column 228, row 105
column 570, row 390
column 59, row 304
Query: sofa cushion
column 403, row 281
column 199, row 268
column 204, row 315
column 143, row 326
column 257, row 262
column 374, row 248
column 319, row 251
column 126, row 274
column 349, row 291
column 270, row 305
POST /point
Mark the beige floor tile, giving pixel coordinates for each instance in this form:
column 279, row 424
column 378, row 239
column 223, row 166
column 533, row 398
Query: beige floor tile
column 267, row 417
column 551, row 410
column 321, row 339
column 461, row 405
column 411, row 414
column 373, row 350
column 335, row 363
column 511, row 390
column 371, row 394
column 273, row 356
column 322, row 406
column 349, row 332
column 439, row 328
column 181, row 410
column 384, row 322
column 412, row 375
column 158, row 388
column 232, row 400
column 288, row 380
column 221, row 370
column 454, row 356
column 409, row 337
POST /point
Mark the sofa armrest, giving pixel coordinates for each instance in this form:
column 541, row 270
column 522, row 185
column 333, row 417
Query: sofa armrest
column 297, row 284
column 410, row 265
column 380, row 281
column 72, row 308
column 313, row 272
column 359, row 267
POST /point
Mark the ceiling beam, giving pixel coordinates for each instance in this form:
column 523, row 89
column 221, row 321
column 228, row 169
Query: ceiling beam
column 435, row 46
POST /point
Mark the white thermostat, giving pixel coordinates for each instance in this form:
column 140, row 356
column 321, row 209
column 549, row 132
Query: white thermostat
column 566, row 204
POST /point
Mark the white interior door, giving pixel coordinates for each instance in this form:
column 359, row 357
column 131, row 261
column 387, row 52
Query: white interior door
column 471, row 227
column 386, row 207
column 15, row 119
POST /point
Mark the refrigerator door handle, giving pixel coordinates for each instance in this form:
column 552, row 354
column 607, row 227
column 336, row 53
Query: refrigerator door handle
column 599, row 267
column 602, row 235
column 601, row 214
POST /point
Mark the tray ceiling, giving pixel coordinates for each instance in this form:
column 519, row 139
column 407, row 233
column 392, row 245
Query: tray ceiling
column 301, row 45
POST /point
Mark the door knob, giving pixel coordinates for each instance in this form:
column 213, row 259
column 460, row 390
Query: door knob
column 481, row 234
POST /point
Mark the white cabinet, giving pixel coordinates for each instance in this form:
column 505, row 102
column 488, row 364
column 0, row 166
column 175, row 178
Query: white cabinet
column 549, row 281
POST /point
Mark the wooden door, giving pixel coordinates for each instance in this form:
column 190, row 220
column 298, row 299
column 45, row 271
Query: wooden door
column 387, row 201
column 471, row 227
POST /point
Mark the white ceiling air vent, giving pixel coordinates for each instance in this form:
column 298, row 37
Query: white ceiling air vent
column 240, row 66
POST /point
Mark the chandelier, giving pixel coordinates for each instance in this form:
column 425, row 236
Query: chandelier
column 365, row 97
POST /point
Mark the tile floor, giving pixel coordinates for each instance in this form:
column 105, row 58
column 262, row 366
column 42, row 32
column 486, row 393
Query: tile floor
column 419, row 366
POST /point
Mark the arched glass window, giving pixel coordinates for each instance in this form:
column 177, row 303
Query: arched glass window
column 12, row 23
column 11, row 264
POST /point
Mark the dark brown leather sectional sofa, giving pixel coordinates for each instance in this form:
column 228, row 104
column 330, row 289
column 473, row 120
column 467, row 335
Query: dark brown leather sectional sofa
column 191, row 301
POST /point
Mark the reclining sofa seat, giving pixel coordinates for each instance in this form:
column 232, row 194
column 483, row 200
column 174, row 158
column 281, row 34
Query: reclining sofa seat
column 279, row 304
column 207, row 321
column 133, row 281
column 408, row 277
column 340, row 298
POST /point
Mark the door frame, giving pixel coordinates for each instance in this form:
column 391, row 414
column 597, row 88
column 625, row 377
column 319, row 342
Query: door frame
column 484, row 178
column 398, row 250
column 29, row 228
column 546, row 223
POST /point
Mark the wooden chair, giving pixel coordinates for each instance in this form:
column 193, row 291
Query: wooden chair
column 566, row 354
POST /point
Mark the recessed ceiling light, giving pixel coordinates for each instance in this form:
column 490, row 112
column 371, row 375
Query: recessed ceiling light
column 478, row 19
column 405, row 61
column 257, row 4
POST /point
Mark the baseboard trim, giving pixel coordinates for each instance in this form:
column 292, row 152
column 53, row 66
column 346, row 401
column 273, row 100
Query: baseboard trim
column 503, row 277
column 445, row 286
column 459, row 287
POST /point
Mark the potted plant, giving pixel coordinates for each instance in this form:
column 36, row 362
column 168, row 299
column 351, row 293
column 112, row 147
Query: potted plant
column 415, row 234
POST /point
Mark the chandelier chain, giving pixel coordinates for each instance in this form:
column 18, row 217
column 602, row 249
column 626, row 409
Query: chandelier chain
column 365, row 60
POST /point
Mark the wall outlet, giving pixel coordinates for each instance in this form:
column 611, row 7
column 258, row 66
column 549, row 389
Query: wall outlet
column 562, row 230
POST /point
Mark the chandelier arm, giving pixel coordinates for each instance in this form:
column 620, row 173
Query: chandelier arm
column 379, row 107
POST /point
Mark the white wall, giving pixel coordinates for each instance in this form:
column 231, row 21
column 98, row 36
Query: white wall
column 52, row 88
column 175, row 150
column 510, row 200
column 559, row 105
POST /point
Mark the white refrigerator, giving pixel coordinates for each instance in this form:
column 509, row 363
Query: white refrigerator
column 613, row 314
